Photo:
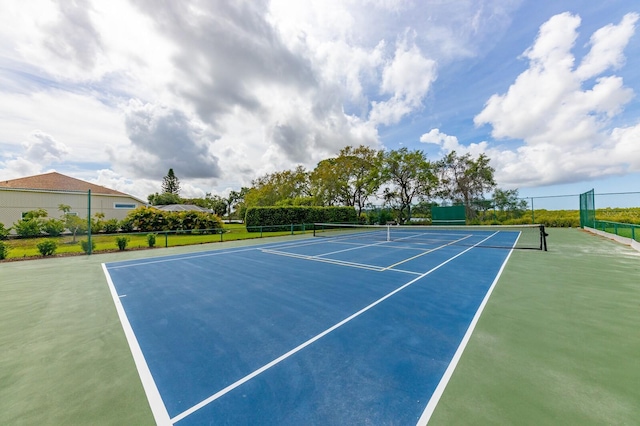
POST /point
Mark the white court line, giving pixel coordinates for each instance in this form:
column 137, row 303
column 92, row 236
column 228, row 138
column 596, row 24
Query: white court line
column 177, row 257
column 158, row 408
column 422, row 254
column 437, row 393
column 323, row 260
column 281, row 358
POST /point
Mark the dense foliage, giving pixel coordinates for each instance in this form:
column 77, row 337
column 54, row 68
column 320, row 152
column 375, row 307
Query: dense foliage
column 272, row 216
column 149, row 219
column 4, row 232
column 4, row 250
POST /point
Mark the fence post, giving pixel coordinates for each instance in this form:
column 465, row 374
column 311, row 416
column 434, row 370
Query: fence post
column 89, row 251
column 533, row 214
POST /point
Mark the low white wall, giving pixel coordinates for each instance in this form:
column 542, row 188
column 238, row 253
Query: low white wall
column 626, row 241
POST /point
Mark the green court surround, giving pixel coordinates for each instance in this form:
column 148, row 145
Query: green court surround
column 557, row 343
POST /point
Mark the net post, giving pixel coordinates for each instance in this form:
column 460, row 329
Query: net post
column 388, row 232
column 543, row 238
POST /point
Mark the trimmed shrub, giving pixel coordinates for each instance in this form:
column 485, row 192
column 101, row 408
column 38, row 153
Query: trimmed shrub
column 4, row 250
column 149, row 219
column 151, row 240
column 85, row 246
column 122, row 243
column 53, row 227
column 28, row 228
column 47, row 247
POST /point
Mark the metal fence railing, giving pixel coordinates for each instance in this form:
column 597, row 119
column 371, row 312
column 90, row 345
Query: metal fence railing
column 627, row 230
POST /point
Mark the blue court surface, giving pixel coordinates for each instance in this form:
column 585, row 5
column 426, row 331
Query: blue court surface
column 310, row 331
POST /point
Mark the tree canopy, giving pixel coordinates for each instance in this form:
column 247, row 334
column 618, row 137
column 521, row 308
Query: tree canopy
column 411, row 178
column 403, row 179
column 463, row 180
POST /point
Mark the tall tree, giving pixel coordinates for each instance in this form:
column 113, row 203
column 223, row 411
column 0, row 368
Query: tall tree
column 465, row 180
column 171, row 183
column 411, row 177
column 362, row 174
column 349, row 179
column 326, row 183
column 274, row 188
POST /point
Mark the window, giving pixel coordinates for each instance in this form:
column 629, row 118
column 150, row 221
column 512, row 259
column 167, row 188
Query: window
column 124, row 206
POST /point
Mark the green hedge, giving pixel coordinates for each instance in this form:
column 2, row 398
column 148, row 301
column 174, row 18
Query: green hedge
column 271, row 216
column 149, row 219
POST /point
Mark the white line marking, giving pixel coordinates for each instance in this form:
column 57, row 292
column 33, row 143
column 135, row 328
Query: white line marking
column 437, row 393
column 177, row 257
column 323, row 260
column 158, row 408
column 281, row 358
column 422, row 254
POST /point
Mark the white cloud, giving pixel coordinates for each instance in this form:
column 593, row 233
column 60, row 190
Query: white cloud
column 44, row 148
column 564, row 123
column 225, row 91
column 450, row 143
column 607, row 46
column 407, row 78
column 79, row 121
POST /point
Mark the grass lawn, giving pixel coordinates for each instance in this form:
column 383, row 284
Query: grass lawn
column 27, row 247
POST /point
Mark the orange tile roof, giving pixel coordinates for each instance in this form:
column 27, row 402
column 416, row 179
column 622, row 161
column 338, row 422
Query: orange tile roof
column 57, row 182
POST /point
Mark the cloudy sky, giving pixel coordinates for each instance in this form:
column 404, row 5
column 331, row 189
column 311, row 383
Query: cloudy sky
column 117, row 92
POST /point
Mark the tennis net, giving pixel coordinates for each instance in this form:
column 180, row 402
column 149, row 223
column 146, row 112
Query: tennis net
column 533, row 237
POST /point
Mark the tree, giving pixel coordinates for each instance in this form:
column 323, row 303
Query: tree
column 72, row 221
column 326, row 184
column 234, row 198
column 164, row 199
column 170, row 183
column 213, row 202
column 465, row 180
column 358, row 175
column 411, row 177
column 509, row 202
column 276, row 187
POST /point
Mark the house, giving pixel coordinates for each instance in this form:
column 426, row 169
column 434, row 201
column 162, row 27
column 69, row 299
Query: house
column 50, row 190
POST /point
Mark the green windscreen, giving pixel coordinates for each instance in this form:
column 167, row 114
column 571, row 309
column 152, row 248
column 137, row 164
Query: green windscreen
column 452, row 215
column 587, row 209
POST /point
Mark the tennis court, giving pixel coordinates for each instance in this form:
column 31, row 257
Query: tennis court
column 555, row 344
column 356, row 328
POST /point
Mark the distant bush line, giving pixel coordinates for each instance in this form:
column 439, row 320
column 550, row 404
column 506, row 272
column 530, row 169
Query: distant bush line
column 274, row 216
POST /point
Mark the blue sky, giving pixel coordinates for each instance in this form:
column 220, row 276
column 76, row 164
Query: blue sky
column 118, row 92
